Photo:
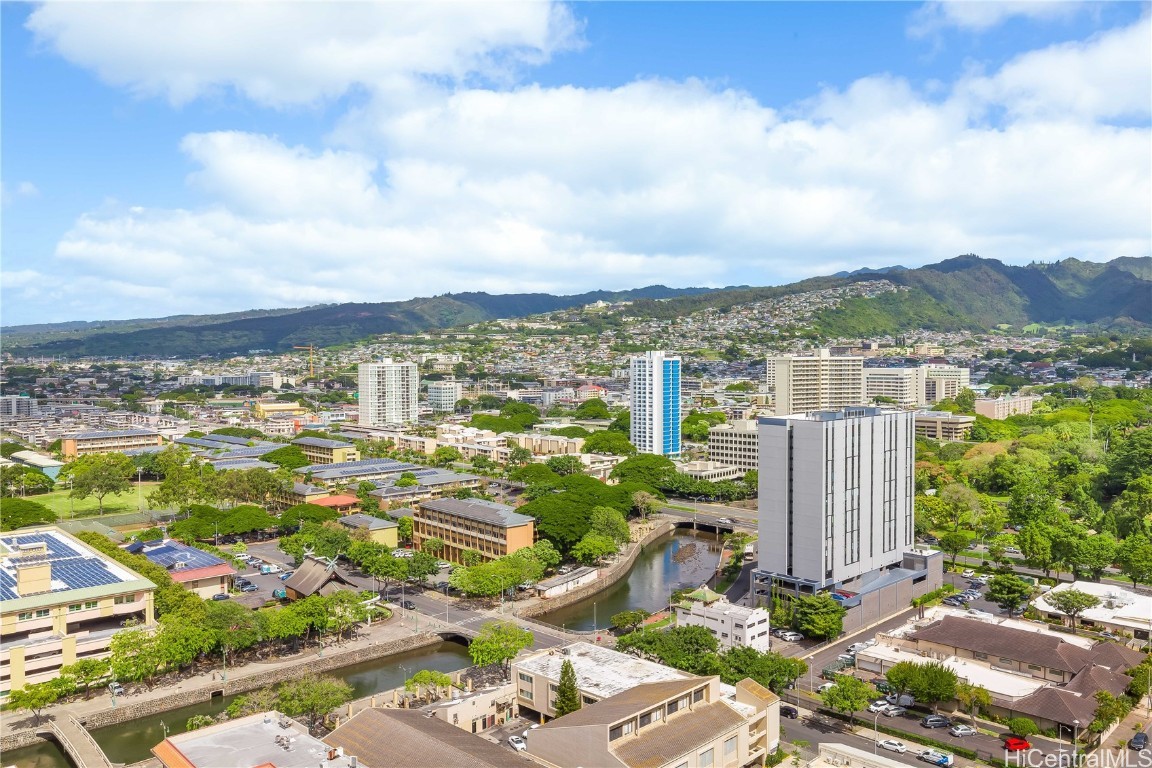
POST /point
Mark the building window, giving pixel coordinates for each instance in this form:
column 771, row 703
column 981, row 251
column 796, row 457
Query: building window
column 91, row 604
column 75, row 607
column 648, row 717
column 978, row 655
column 24, row 616
column 526, row 677
column 673, row 706
column 615, row 732
column 730, row 750
column 1005, row 661
column 587, row 700
column 124, row 599
column 526, row 694
column 698, row 695
column 1036, row 667
column 43, row 613
column 706, row 760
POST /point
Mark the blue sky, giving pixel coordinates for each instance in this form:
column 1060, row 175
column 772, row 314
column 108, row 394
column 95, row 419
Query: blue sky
column 162, row 158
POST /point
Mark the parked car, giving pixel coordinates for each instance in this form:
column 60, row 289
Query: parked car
column 779, row 631
column 962, row 730
column 286, row 575
column 271, row 568
column 935, row 721
column 954, row 602
column 847, row 658
column 221, row 596
column 977, row 614
column 531, row 728
column 115, row 689
column 969, row 573
column 517, row 743
column 1138, row 742
column 409, row 605
column 934, row 757
column 725, row 521
column 1011, row 551
column 792, row 637
column 894, row 711
column 857, row 647
column 892, row 745
column 900, row 700
column 442, row 564
column 1016, row 744
column 250, row 588
column 824, row 687
column 880, row 705
column 241, row 581
column 789, row 712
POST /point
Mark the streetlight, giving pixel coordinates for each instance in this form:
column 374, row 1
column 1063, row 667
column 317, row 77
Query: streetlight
column 876, row 734
column 445, row 602
column 139, row 486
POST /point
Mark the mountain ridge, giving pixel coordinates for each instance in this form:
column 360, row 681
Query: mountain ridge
column 962, row 293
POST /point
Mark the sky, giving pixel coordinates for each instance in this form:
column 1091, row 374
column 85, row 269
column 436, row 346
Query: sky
column 163, row 158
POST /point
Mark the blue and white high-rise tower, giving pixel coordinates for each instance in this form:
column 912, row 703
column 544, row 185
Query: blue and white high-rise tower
column 656, row 403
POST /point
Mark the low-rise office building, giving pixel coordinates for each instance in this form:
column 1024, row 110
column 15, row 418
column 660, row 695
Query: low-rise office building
column 686, row 723
column 1119, row 610
column 194, row 569
column 111, row 441
column 713, row 471
column 943, row 426
column 492, row 529
column 379, row 530
column 736, row 443
column 61, row 601
column 321, row 451
column 1003, row 407
column 262, row 739
column 731, row 625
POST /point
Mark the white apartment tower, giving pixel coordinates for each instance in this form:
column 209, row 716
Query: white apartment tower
column 943, row 381
column 655, row 389
column 903, row 386
column 815, row 382
column 443, row 395
column 388, row 393
column 836, row 492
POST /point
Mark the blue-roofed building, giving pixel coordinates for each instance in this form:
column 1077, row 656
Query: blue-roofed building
column 61, row 600
column 348, row 471
column 196, row 570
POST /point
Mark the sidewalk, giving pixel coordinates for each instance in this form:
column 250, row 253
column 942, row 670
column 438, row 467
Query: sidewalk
column 380, row 632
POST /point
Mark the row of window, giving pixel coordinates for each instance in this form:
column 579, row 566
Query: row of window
column 29, row 615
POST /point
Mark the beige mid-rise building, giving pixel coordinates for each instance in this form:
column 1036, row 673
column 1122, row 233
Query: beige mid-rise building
column 736, row 443
column 61, row 601
column 815, row 382
column 1003, row 407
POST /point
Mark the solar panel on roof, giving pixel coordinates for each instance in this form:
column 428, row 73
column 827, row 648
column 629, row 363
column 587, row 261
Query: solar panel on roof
column 135, row 547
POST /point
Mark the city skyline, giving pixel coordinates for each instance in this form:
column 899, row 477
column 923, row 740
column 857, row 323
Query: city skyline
column 203, row 158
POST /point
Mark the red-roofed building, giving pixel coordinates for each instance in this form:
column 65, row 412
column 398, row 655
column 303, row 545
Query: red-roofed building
column 342, row 503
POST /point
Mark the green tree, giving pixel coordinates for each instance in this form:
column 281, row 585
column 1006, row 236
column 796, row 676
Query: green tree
column 963, row 503
column 954, row 542
column 1071, row 602
column 593, row 548
column 1109, row 709
column 609, row 442
column 99, row 474
column 848, row 696
column 36, row 696
column 1135, row 558
column 1095, row 554
column 428, row 681
column 288, row 457
column 769, row 669
column 135, row 655
column 606, row 521
column 901, row 676
column 818, row 616
column 445, row 456
column 407, row 480
column 1022, row 727
column 567, row 695
column 1009, row 591
column 648, row 468
column 421, row 565
column 433, row 546
column 404, row 528
column 622, row 423
column 933, row 683
column 518, row 456
column 16, row 479
column 1035, row 542
column 565, row 465
column 196, row 722
column 498, row 642
column 593, row 408
column 645, row 504
column 19, row 513
column 628, row 621
column 972, row 697
column 314, row 696
column 86, row 672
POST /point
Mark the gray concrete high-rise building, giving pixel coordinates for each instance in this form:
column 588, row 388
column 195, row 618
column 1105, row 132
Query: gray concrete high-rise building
column 836, row 496
column 388, row 393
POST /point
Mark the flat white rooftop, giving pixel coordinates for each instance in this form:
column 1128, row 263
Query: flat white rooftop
column 1002, row 684
column 1118, row 606
column 600, row 672
column 938, row 612
column 254, row 740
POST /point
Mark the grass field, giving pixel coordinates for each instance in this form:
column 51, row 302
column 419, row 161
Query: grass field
column 60, row 503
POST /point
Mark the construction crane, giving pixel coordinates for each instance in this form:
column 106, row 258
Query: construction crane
column 311, row 368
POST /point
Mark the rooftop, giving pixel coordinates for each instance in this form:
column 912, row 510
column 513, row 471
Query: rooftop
column 320, row 442
column 176, row 556
column 1118, row 606
column 479, row 510
column 114, row 433
column 600, row 672
column 267, row 738
column 381, row 738
column 75, row 566
column 367, row 521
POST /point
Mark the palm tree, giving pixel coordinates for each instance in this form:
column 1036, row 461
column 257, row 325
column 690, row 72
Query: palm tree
column 972, row 697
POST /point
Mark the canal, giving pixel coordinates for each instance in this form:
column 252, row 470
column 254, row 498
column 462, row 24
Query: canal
column 131, row 741
column 683, row 558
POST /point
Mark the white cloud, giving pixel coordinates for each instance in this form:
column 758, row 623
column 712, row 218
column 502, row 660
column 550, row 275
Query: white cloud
column 982, row 15
column 283, row 53
column 567, row 189
column 24, row 189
